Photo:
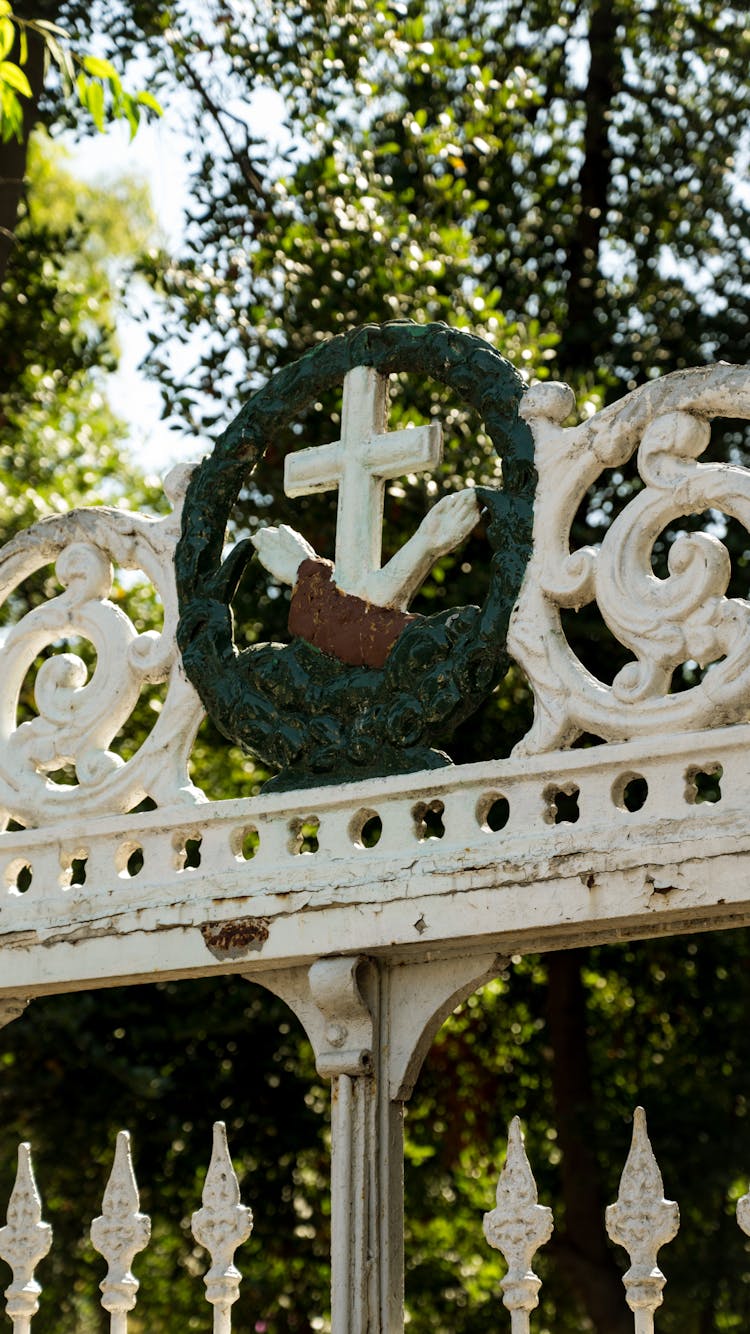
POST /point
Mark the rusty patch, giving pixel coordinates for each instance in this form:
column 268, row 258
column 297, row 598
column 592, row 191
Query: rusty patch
column 230, row 940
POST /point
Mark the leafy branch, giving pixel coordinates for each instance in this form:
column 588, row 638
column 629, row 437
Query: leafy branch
column 94, row 81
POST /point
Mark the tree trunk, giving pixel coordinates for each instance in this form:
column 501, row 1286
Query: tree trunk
column 582, row 1248
column 13, row 154
column 581, row 337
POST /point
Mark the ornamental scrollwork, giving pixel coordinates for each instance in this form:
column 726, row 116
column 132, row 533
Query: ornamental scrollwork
column 664, row 622
column 79, row 714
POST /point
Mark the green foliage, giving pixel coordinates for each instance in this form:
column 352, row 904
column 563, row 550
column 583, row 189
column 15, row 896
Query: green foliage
column 60, row 443
column 562, row 180
column 167, row 1061
column 552, row 178
column 469, row 166
column 664, row 1027
column 101, row 94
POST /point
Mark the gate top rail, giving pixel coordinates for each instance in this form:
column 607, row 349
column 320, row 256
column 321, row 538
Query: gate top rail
column 639, row 835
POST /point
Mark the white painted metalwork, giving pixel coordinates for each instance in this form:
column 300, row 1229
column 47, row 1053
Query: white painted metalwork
column 119, row 1233
column 372, row 945
column 518, row 1226
column 24, row 1241
column 282, row 550
column 370, row 1027
column 674, row 864
column 664, row 622
column 359, row 464
column 743, row 1213
column 221, row 1226
column 366, row 1194
column 78, row 717
column 642, row 1221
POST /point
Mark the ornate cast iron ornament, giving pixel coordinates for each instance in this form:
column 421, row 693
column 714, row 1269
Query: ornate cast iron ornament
column 303, row 710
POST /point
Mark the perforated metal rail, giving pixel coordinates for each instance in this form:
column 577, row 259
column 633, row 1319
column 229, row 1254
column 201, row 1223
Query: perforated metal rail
column 598, row 843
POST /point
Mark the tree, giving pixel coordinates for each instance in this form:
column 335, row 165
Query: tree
column 29, row 46
column 571, row 170
column 59, row 440
column 563, row 181
column 560, row 179
column 77, row 249
column 135, row 1057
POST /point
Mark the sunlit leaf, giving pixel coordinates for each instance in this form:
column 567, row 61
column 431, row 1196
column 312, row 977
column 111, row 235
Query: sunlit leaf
column 12, row 75
column 100, row 69
column 95, row 103
column 147, row 99
column 7, row 38
column 47, row 26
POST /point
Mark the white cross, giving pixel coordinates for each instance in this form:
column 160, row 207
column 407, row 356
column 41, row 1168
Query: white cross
column 359, row 464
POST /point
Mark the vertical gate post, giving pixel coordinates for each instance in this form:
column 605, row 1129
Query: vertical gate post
column 366, row 1207
column 371, row 1023
column 339, row 1003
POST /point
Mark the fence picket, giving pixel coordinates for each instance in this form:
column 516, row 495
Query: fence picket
column 24, row 1241
column 743, row 1213
column 221, row 1226
column 119, row 1234
column 641, row 1221
column 517, row 1227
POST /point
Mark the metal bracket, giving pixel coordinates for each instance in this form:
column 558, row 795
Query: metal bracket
column 12, row 1007
column 348, row 1032
column 338, row 1001
column 420, row 998
column 329, row 1004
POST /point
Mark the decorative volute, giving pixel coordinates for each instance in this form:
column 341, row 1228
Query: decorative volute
column 663, row 622
column 79, row 715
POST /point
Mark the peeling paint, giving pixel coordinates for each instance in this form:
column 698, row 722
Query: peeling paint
column 78, row 936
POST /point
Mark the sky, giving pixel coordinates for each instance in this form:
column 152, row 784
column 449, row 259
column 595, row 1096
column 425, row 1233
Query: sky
column 159, row 155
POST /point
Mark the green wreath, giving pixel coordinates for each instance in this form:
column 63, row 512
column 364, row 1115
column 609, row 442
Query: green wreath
column 294, row 707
